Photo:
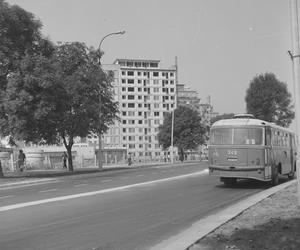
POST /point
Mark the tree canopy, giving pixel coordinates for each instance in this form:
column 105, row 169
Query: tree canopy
column 188, row 133
column 60, row 97
column 268, row 99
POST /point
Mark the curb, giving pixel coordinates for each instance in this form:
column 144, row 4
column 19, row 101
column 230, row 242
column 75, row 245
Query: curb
column 186, row 239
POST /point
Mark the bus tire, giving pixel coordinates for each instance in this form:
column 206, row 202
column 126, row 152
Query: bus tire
column 291, row 175
column 275, row 177
column 228, row 181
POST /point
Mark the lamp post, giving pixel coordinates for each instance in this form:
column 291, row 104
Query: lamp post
column 100, row 134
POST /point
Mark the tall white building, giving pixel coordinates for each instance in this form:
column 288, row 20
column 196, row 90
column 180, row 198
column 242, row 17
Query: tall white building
column 145, row 91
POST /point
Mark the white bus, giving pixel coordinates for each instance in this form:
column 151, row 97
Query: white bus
column 248, row 148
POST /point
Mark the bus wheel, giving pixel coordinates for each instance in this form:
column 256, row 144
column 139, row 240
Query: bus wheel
column 275, row 177
column 228, row 181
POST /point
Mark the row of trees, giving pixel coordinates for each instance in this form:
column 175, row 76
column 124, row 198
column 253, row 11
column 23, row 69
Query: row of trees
column 267, row 98
column 49, row 93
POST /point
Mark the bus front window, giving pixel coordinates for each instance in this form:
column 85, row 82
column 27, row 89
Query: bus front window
column 247, row 136
column 237, row 136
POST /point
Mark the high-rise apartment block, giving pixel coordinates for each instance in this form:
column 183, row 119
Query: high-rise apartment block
column 144, row 91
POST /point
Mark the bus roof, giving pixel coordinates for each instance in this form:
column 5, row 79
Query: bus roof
column 247, row 122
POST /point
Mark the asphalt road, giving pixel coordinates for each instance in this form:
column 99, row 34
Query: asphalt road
column 132, row 209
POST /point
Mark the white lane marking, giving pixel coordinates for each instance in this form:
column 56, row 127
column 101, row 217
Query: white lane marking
column 48, row 190
column 104, row 191
column 108, row 180
column 7, row 196
column 80, row 185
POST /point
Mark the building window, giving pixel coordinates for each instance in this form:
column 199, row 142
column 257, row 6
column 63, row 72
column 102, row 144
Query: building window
column 131, row 122
column 137, row 64
column 130, row 105
column 131, row 130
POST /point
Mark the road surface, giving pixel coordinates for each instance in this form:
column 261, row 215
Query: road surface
column 129, row 209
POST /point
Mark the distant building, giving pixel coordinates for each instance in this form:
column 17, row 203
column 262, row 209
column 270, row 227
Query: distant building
column 144, row 91
column 188, row 97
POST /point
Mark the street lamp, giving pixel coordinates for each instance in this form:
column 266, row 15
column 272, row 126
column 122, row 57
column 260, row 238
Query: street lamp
column 99, row 134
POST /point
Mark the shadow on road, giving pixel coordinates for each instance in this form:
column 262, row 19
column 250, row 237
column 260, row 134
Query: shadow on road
column 251, row 184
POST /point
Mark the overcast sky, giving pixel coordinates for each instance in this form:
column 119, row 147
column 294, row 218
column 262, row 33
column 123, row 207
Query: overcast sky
column 221, row 45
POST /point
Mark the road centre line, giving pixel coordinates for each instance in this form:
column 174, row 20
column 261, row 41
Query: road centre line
column 7, row 196
column 107, row 180
column 73, row 196
column 80, row 185
column 48, row 190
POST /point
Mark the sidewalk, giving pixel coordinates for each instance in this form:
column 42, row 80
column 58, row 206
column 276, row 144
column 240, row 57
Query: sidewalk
column 273, row 223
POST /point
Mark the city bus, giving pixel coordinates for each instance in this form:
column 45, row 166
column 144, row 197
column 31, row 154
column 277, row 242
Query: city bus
column 249, row 148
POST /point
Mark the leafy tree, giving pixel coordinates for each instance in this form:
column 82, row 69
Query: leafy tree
column 188, row 130
column 223, row 116
column 268, row 99
column 20, row 36
column 58, row 98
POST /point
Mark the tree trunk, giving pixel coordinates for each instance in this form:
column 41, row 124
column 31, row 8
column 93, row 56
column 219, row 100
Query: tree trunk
column 1, row 171
column 70, row 160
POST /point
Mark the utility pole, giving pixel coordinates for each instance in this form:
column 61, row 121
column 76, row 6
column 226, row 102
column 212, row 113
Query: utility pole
column 295, row 56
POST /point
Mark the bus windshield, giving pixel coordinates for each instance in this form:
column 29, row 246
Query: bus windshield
column 236, row 136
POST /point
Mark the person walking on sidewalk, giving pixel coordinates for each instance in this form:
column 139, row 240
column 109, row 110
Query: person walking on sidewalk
column 21, row 160
column 64, row 159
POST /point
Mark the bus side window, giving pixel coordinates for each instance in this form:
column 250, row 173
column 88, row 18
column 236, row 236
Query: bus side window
column 268, row 136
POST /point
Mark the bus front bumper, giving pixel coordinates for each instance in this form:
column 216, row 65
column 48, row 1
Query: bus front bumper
column 245, row 172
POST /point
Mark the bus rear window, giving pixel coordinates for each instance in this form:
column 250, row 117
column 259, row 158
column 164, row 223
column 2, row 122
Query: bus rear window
column 236, row 136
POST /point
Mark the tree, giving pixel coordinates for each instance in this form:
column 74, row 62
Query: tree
column 58, row 98
column 223, row 116
column 268, row 99
column 188, row 130
column 20, row 36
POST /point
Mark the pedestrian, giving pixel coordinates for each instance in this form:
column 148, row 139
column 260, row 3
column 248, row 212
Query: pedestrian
column 129, row 160
column 21, row 160
column 64, row 159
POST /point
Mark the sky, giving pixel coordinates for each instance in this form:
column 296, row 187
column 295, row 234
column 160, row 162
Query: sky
column 220, row 45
